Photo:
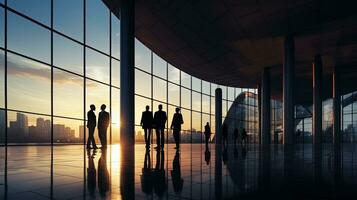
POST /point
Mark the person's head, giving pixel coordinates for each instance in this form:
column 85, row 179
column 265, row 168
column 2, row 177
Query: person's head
column 147, row 108
column 207, row 123
column 160, row 107
column 92, row 107
column 103, row 107
column 177, row 110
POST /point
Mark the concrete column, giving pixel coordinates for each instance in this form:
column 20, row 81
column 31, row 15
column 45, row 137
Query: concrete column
column 265, row 107
column 288, row 90
column 317, row 100
column 336, row 109
column 218, row 116
column 259, row 88
column 127, row 136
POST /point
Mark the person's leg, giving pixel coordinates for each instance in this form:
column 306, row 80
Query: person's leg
column 162, row 137
column 179, row 138
column 146, row 136
column 176, row 138
column 104, row 138
column 149, row 137
column 89, row 141
column 157, row 137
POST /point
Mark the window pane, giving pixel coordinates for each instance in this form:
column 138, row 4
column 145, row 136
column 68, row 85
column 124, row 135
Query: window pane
column 2, row 79
column 97, row 25
column 205, row 104
column 140, row 104
column 186, row 114
column 115, row 116
column 115, row 73
column 174, row 94
column 213, row 89
column 173, row 74
column 68, row 17
column 2, row 27
column 142, row 56
column 185, row 80
column 159, row 66
column 115, row 37
column 67, row 94
column 224, row 92
column 231, row 93
column 28, row 38
column 159, row 89
column 39, row 10
column 97, row 66
column 196, row 84
column 2, row 130
column 67, row 130
column 28, row 128
column 213, row 105
column 185, row 98
column 196, row 123
column 67, row 54
column 97, row 94
column 206, row 87
column 29, row 85
column 142, row 83
column 205, row 119
column 196, row 101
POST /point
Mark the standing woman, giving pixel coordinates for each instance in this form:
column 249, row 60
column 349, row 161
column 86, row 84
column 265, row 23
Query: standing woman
column 207, row 133
column 176, row 123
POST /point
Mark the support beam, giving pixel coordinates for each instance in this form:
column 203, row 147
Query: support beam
column 288, row 90
column 218, row 116
column 317, row 100
column 259, row 88
column 265, row 108
column 336, row 109
column 127, row 136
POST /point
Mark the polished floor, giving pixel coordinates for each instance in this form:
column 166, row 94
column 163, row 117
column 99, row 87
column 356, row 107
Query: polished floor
column 242, row 172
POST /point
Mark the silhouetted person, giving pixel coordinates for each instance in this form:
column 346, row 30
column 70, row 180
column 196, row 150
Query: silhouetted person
column 224, row 133
column 225, row 155
column 207, row 155
column 159, row 174
column 91, row 124
column 146, row 177
column 146, row 123
column 207, row 133
column 235, row 134
column 298, row 135
column 103, row 174
column 103, row 123
column 160, row 118
column 244, row 152
column 177, row 180
column 91, row 174
column 244, row 136
column 176, row 123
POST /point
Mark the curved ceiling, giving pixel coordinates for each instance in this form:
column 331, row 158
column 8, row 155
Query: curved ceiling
column 229, row 42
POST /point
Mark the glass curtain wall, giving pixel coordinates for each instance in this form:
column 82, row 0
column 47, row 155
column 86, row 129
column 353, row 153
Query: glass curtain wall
column 57, row 57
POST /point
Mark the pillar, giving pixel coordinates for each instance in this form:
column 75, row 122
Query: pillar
column 336, row 109
column 288, row 90
column 127, row 136
column 317, row 100
column 218, row 116
column 265, row 108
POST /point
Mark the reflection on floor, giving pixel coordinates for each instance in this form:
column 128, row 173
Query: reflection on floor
column 247, row 172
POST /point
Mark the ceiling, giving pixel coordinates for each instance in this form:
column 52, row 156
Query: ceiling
column 229, row 42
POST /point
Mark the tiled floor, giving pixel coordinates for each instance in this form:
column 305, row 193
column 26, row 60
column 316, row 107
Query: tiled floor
column 250, row 172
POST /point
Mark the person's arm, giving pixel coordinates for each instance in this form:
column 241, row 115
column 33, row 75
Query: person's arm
column 172, row 123
column 142, row 119
column 181, row 119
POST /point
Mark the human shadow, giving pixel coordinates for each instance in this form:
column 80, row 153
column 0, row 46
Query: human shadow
column 103, row 174
column 177, row 180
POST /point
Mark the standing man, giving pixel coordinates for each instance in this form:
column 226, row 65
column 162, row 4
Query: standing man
column 207, row 134
column 103, row 123
column 160, row 122
column 146, row 124
column 91, row 124
column 177, row 120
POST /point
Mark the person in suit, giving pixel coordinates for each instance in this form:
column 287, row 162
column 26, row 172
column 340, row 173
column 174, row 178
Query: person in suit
column 176, row 123
column 244, row 136
column 146, row 123
column 103, row 123
column 160, row 118
column 91, row 124
column 207, row 133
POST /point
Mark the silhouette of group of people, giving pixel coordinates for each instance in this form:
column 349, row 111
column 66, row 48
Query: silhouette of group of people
column 158, row 122
column 153, row 180
column 103, row 178
column 244, row 135
column 103, row 123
